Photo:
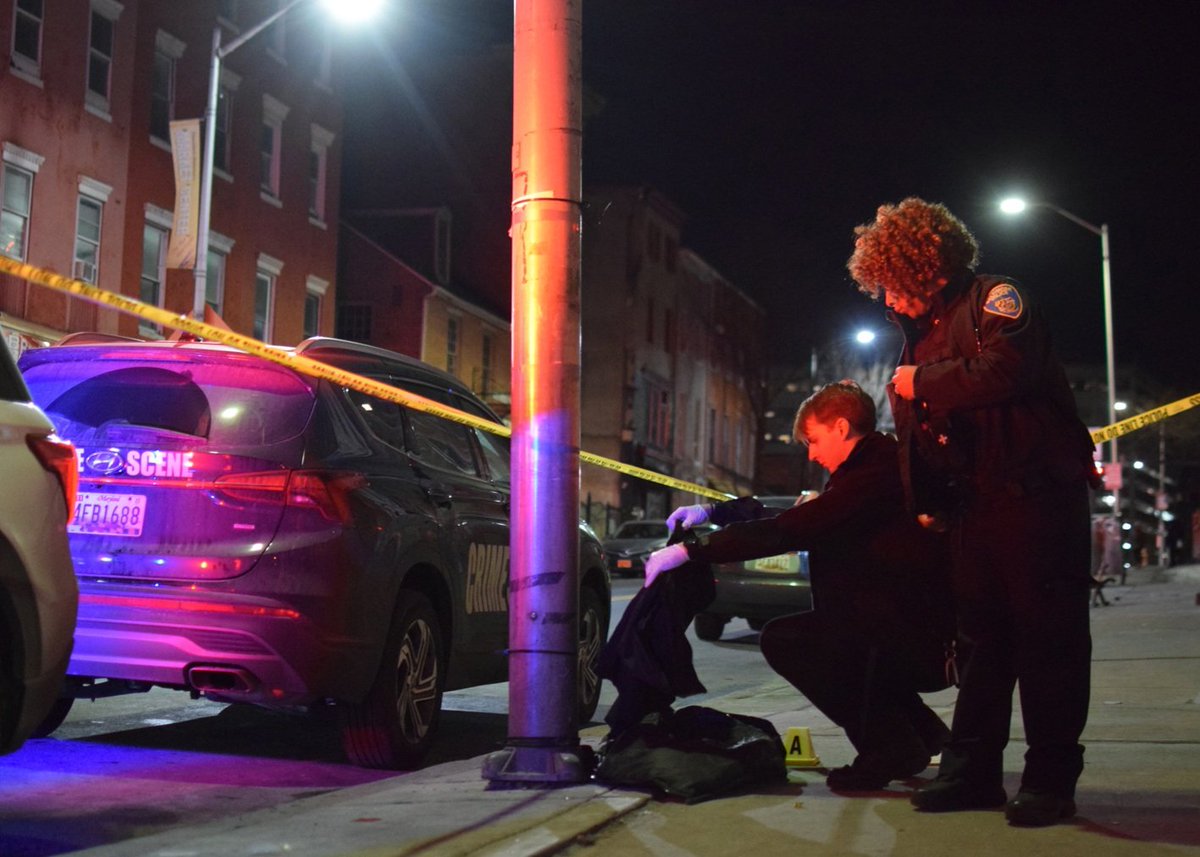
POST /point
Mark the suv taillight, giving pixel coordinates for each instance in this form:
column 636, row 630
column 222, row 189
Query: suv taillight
column 326, row 491
column 59, row 457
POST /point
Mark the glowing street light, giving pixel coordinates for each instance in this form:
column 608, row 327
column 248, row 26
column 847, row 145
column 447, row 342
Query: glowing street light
column 864, row 337
column 1015, row 205
column 345, row 10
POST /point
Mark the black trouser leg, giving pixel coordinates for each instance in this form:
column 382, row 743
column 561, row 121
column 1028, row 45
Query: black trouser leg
column 1021, row 580
column 840, row 674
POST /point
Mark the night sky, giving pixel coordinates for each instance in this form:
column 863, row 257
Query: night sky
column 779, row 126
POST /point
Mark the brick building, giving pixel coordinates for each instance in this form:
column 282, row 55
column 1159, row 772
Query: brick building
column 87, row 92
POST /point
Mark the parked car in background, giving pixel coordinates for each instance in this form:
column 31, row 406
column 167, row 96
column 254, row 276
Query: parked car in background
column 757, row 590
column 626, row 550
column 255, row 535
column 38, row 594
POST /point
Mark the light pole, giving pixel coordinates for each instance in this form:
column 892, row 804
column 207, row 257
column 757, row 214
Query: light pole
column 346, row 9
column 1014, row 205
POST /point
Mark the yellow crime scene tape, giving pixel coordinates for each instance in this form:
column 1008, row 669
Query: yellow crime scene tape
column 389, row 393
column 1146, row 418
column 317, row 369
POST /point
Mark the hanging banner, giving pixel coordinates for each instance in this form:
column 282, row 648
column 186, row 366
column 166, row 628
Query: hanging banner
column 185, row 152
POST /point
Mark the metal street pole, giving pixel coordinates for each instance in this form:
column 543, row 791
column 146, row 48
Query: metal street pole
column 219, row 52
column 1014, row 206
column 543, row 740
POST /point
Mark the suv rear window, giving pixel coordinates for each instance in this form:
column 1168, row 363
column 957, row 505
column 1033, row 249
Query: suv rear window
column 230, row 402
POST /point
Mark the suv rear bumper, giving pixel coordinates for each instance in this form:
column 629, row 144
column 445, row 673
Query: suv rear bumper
column 233, row 648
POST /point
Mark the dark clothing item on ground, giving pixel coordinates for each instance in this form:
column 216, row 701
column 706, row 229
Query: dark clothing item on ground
column 648, row 658
column 882, row 614
column 992, row 441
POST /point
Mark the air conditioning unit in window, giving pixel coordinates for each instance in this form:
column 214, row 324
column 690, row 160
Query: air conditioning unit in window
column 85, row 271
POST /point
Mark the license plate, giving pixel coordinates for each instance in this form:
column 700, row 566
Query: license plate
column 784, row 563
column 624, row 563
column 109, row 514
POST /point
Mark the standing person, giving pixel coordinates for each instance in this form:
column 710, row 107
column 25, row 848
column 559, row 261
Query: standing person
column 991, row 445
column 882, row 618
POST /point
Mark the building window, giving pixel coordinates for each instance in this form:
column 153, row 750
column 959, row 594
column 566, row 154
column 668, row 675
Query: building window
column 27, row 37
column 452, row 328
column 658, row 416
column 324, row 73
column 221, row 129
column 264, row 289
column 318, row 165
column 274, row 112
column 214, row 281
column 100, row 53
column 712, row 435
column 276, row 35
column 167, row 51
column 265, row 279
column 154, row 256
column 485, row 364
column 354, row 322
column 14, row 214
column 314, row 295
column 227, row 12
column 653, row 241
column 87, row 239
column 441, row 250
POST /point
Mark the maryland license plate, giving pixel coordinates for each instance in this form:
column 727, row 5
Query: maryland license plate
column 784, row 563
column 109, row 514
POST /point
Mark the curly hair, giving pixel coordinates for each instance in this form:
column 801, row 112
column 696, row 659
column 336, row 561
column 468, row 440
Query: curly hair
column 840, row 399
column 910, row 248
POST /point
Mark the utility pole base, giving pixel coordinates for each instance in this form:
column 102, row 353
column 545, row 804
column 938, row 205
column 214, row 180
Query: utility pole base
column 533, row 765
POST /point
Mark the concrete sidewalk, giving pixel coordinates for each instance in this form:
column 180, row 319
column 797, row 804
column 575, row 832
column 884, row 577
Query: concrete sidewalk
column 1138, row 795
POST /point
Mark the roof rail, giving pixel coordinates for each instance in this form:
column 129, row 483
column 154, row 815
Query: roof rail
column 85, row 337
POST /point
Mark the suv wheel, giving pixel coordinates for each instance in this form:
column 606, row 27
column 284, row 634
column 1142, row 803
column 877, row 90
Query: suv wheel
column 592, row 633
column 54, row 717
column 394, row 724
column 709, row 626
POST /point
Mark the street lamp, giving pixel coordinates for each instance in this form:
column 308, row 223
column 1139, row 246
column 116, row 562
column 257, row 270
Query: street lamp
column 1014, row 205
column 347, row 10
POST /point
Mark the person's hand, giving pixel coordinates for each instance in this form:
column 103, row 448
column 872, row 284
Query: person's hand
column 672, row 556
column 902, row 381
column 687, row 517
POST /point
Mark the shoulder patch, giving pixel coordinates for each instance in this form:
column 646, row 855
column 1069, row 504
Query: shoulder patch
column 1004, row 300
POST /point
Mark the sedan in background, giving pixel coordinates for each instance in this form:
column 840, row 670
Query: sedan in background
column 757, row 590
column 38, row 595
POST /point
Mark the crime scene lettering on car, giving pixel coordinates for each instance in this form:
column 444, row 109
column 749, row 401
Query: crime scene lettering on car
column 487, row 578
column 139, row 462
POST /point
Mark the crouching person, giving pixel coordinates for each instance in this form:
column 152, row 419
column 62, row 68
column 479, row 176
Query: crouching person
column 882, row 619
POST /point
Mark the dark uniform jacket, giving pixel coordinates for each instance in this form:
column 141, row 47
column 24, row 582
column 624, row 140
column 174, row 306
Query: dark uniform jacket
column 993, row 412
column 868, row 558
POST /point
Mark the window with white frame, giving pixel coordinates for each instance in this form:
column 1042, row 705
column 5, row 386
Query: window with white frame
column 89, row 214
column 219, row 248
column 265, row 279
column 16, row 199
column 28, row 16
column 223, row 127
column 314, row 295
column 101, row 38
column 453, row 325
column 276, row 34
column 155, row 234
column 167, row 51
column 274, row 112
column 318, row 164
